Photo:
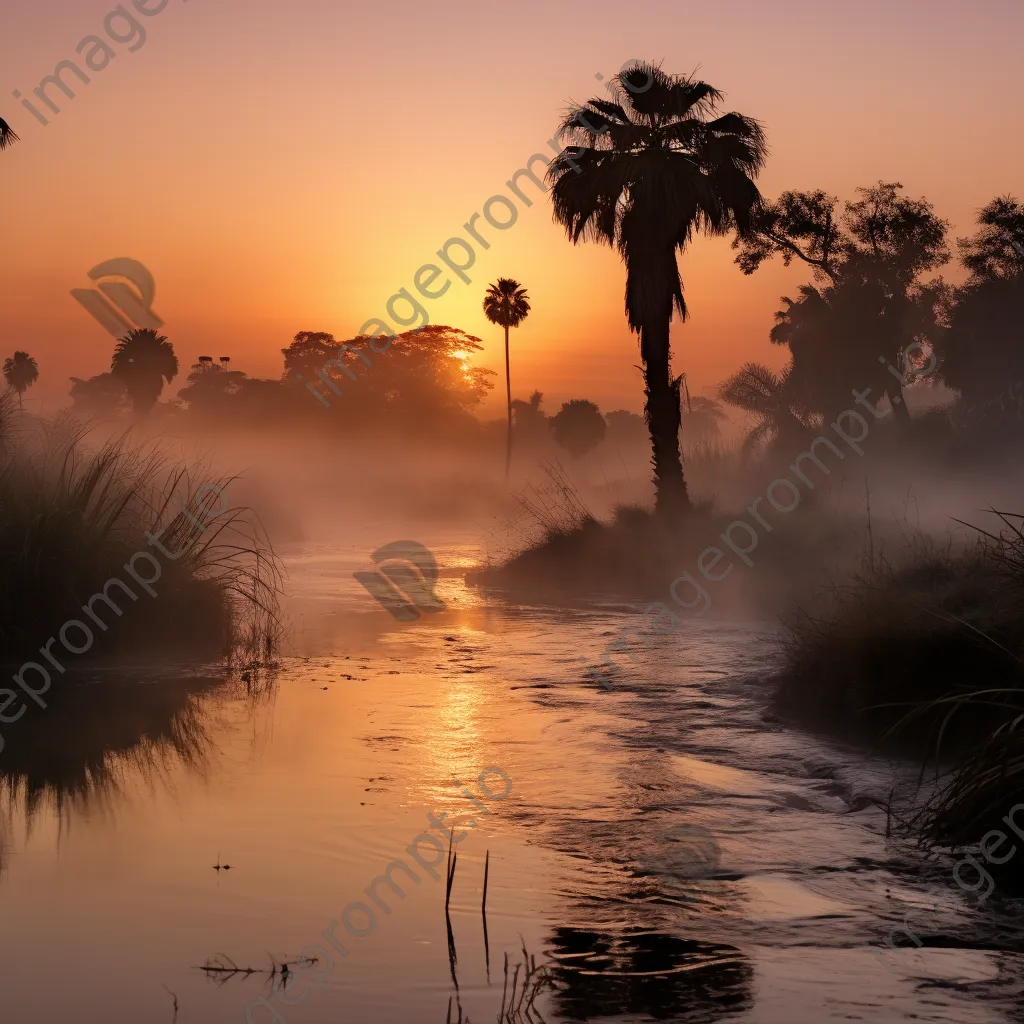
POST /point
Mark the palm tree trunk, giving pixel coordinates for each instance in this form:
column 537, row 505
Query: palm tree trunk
column 508, row 390
column 663, row 420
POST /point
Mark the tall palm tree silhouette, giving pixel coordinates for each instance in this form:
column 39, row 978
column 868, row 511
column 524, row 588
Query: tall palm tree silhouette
column 506, row 303
column 20, row 372
column 7, row 136
column 142, row 361
column 643, row 174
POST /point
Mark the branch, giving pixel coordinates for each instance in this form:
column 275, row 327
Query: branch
column 785, row 243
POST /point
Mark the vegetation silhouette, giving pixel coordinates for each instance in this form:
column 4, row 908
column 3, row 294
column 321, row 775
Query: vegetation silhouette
column 626, row 427
column 143, row 360
column 424, row 383
column 579, row 426
column 644, row 174
column 982, row 351
column 74, row 516
column 530, row 422
column 7, row 136
column 100, row 398
column 870, row 303
column 770, row 397
column 702, row 419
column 20, row 371
column 507, row 304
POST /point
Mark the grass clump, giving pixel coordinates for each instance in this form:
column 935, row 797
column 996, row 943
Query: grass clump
column 927, row 656
column 72, row 517
column 907, row 636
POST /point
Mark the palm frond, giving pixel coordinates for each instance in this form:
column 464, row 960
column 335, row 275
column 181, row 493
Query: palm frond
column 7, row 136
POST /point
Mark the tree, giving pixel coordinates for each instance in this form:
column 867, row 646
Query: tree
column 647, row 170
column 142, row 361
column 530, row 421
column 102, row 396
column 579, row 426
column 996, row 250
column 982, row 353
column 7, row 136
column 506, row 304
column 626, row 427
column 702, row 418
column 770, row 396
column 211, row 388
column 21, row 372
column 308, row 353
column 870, row 301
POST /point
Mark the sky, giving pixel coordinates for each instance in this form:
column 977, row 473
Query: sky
column 290, row 166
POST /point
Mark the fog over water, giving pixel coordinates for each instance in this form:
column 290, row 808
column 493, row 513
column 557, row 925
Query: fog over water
column 668, row 823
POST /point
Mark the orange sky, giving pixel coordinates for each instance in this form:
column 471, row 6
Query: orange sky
column 284, row 167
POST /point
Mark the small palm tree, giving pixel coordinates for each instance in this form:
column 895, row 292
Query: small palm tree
column 7, row 136
column 20, row 372
column 507, row 305
column 771, row 397
column 142, row 361
column 644, row 172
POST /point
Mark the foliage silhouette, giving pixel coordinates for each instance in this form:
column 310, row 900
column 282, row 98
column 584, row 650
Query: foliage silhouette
column 530, row 422
column 869, row 302
column 101, row 397
column 507, row 304
column 770, row 396
column 701, row 420
column 647, row 171
column 20, row 371
column 142, row 361
column 579, row 427
column 7, row 136
column 982, row 353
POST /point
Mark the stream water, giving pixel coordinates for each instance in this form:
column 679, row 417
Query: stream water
column 665, row 847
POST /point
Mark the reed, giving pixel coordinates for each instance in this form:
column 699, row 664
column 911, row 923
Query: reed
column 901, row 657
column 72, row 515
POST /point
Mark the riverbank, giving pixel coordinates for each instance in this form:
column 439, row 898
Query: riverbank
column 113, row 549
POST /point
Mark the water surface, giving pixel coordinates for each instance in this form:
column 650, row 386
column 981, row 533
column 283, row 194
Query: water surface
column 666, row 848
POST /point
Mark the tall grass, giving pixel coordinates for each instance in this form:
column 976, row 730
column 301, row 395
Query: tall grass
column 988, row 780
column 927, row 655
column 71, row 517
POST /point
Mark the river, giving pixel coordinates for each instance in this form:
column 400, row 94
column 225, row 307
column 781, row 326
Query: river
column 665, row 847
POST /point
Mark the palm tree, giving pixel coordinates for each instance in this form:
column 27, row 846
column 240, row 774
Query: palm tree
column 644, row 173
column 7, row 136
column 142, row 361
column 506, row 304
column 771, row 397
column 20, row 372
